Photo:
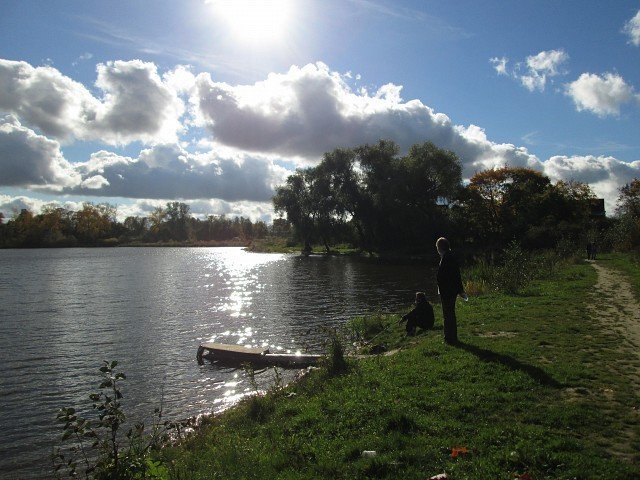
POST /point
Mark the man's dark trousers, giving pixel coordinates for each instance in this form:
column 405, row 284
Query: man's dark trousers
column 449, row 314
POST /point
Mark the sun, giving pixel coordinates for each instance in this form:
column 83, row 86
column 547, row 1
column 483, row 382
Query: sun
column 254, row 21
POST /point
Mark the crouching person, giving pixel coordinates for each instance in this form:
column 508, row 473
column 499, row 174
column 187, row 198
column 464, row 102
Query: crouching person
column 421, row 315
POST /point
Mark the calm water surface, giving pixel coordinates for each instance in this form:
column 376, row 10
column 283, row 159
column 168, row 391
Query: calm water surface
column 63, row 311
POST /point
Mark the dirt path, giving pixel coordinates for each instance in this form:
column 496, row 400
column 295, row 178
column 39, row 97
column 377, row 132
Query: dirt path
column 616, row 306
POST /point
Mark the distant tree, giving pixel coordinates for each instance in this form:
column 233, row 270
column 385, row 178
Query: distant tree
column 157, row 228
column 629, row 199
column 135, row 227
column 280, row 227
column 626, row 231
column 260, row 229
column 177, row 219
column 94, row 222
column 56, row 224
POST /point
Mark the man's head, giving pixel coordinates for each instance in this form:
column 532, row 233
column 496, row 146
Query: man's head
column 442, row 244
column 420, row 297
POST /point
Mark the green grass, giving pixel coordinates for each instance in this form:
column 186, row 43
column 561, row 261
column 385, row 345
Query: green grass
column 535, row 387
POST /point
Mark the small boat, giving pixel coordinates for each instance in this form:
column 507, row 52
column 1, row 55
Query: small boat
column 237, row 355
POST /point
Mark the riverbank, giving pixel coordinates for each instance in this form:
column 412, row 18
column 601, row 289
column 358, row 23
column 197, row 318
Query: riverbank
column 536, row 387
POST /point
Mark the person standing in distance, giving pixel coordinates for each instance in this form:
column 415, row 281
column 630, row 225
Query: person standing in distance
column 449, row 287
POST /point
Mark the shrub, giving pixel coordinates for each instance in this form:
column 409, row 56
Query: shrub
column 515, row 271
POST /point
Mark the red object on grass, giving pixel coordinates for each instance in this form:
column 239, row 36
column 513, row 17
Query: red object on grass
column 458, row 451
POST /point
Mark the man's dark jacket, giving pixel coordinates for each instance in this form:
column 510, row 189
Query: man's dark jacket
column 449, row 280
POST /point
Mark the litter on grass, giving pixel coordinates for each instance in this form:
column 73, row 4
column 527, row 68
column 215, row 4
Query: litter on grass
column 441, row 476
column 458, row 452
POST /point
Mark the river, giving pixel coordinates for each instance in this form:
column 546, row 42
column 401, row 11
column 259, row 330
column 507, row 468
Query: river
column 64, row 311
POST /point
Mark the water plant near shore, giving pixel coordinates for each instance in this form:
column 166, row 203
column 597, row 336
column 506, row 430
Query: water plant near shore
column 97, row 449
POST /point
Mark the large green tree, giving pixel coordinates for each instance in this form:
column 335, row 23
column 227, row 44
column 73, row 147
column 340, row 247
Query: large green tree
column 386, row 201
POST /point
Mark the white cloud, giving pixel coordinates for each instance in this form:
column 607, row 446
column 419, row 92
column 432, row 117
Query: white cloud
column 311, row 110
column 11, row 206
column 500, row 64
column 82, row 58
column 136, row 103
column 605, row 174
column 162, row 171
column 95, row 182
column 31, row 160
column 45, row 99
column 169, row 171
column 288, row 118
column 547, row 62
column 602, row 95
column 537, row 68
column 632, row 29
column 181, row 79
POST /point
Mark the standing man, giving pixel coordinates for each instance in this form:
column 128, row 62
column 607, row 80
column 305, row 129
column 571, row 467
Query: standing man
column 449, row 287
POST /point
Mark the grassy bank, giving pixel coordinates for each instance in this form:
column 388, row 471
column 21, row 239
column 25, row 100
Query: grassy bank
column 535, row 388
column 282, row 245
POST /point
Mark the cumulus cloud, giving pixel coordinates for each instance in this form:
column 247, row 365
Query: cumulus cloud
column 605, row 174
column 632, row 29
column 136, row 103
column 500, row 64
column 542, row 66
column 288, row 118
column 311, row 110
column 535, row 70
column 31, row 160
column 10, row 206
column 169, row 171
column 602, row 95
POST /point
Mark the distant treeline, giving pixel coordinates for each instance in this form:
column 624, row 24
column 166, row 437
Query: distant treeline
column 374, row 200
column 379, row 201
column 96, row 225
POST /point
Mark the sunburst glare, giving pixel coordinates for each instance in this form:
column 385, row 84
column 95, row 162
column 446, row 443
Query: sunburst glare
column 254, row 21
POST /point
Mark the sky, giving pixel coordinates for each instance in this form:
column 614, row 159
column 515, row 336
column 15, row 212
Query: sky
column 216, row 102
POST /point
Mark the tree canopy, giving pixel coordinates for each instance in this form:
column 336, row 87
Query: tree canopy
column 377, row 200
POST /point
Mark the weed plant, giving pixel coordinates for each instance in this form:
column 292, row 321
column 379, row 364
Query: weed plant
column 365, row 327
column 93, row 447
column 335, row 362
